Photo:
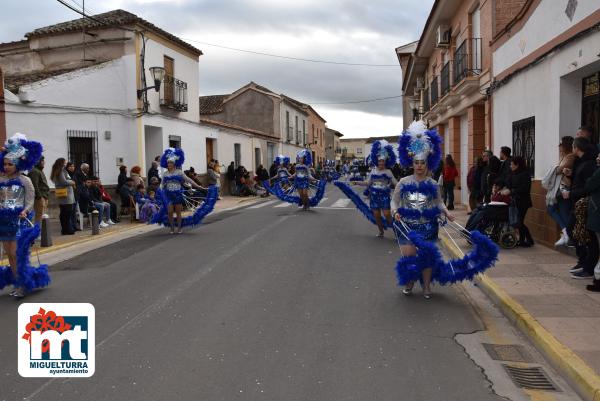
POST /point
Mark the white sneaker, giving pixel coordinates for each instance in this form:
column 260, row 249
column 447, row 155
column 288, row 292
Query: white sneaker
column 110, row 222
column 562, row 241
column 103, row 225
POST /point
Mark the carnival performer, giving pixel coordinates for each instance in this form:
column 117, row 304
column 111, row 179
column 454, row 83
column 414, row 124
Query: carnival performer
column 174, row 194
column 17, row 233
column 379, row 183
column 283, row 174
column 418, row 206
column 295, row 188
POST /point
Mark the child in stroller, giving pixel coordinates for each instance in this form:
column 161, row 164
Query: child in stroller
column 492, row 218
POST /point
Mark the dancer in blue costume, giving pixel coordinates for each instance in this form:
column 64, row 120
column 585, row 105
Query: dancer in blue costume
column 417, row 206
column 175, row 196
column 296, row 188
column 380, row 183
column 283, row 174
column 17, row 233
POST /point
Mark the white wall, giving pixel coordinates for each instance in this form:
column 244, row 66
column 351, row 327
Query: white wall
column 293, row 114
column 546, row 91
column 185, row 69
column 547, row 21
column 224, row 145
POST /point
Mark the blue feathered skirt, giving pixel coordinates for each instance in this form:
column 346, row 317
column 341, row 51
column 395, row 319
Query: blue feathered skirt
column 174, row 197
column 301, row 182
column 9, row 226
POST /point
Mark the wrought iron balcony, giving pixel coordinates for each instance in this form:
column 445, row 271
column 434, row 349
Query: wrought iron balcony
column 433, row 88
column 467, row 59
column 445, row 79
column 173, row 94
column 425, row 98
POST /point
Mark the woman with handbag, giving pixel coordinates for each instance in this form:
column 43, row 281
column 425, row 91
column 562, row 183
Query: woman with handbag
column 64, row 195
column 520, row 190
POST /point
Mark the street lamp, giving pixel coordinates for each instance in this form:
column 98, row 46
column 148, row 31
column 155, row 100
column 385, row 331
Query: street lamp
column 158, row 73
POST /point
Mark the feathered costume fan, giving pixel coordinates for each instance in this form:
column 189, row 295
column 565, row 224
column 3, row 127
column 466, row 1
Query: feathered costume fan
column 379, row 196
column 287, row 190
column 419, row 219
column 24, row 155
column 197, row 203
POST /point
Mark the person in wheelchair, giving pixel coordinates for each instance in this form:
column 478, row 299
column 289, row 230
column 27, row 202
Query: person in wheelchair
column 492, row 218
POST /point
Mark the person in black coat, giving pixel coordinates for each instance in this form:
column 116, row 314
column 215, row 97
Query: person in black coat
column 583, row 168
column 519, row 183
column 505, row 160
column 153, row 172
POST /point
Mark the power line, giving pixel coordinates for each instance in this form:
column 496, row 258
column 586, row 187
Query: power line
column 289, row 57
column 80, row 12
column 357, row 101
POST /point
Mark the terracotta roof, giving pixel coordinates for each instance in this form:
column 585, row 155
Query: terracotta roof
column 336, row 133
column 391, row 139
column 13, row 82
column 110, row 19
column 212, row 104
column 299, row 105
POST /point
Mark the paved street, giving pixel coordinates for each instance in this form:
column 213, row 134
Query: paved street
column 261, row 303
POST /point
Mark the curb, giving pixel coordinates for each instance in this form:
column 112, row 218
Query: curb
column 55, row 248
column 582, row 377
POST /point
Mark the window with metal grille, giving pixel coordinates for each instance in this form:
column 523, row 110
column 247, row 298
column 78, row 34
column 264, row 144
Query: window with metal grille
column 524, row 141
column 83, row 148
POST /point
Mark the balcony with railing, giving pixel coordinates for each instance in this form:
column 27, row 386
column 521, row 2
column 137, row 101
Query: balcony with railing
column 425, row 100
column 445, row 79
column 433, row 88
column 467, row 63
column 173, row 94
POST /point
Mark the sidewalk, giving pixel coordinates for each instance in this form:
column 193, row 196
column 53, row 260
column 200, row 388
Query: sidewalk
column 535, row 290
column 125, row 227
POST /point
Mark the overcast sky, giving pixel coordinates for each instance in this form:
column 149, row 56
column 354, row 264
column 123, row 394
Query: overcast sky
column 351, row 31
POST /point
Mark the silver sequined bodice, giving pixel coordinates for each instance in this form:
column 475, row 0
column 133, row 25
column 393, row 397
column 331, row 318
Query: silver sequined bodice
column 301, row 172
column 12, row 197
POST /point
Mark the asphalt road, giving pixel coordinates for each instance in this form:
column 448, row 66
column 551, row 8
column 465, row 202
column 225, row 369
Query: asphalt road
column 264, row 303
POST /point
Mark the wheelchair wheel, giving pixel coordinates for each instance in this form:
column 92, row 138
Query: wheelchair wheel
column 508, row 240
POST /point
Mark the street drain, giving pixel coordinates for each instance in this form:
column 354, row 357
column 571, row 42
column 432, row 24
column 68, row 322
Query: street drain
column 507, row 352
column 533, row 378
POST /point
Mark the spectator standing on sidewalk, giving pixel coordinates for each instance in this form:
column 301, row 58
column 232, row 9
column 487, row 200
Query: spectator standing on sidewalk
column 153, row 172
column 122, row 177
column 555, row 183
column 583, row 168
column 449, row 176
column 519, row 183
column 64, row 195
column 592, row 186
column 474, row 183
column 136, row 172
column 214, row 178
column 231, row 179
column 505, row 160
column 71, row 176
column 40, row 184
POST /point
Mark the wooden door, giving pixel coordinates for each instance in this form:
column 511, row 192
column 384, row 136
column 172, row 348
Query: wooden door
column 209, row 150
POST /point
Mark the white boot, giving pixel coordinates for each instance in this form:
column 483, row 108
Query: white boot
column 564, row 239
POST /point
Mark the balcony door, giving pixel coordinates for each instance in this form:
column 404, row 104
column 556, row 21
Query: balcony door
column 475, row 34
column 168, row 81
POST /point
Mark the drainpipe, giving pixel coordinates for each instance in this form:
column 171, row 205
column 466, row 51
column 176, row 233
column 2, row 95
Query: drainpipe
column 2, row 109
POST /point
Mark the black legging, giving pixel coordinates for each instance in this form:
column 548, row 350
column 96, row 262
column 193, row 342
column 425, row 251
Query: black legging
column 524, row 234
column 66, row 225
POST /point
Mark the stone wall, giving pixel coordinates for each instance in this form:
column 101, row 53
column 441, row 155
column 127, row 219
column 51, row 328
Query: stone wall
column 505, row 11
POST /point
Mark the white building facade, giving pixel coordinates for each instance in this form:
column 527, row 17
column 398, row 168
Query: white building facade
column 92, row 113
column 547, row 73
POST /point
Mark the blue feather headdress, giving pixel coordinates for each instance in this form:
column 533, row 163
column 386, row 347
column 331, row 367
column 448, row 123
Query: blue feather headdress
column 22, row 153
column 307, row 157
column 281, row 160
column 382, row 150
column 420, row 143
column 174, row 155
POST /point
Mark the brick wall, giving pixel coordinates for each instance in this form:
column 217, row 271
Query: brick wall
column 543, row 229
column 505, row 11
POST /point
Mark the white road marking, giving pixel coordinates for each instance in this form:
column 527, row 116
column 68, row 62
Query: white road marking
column 284, row 204
column 340, row 203
column 263, row 204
